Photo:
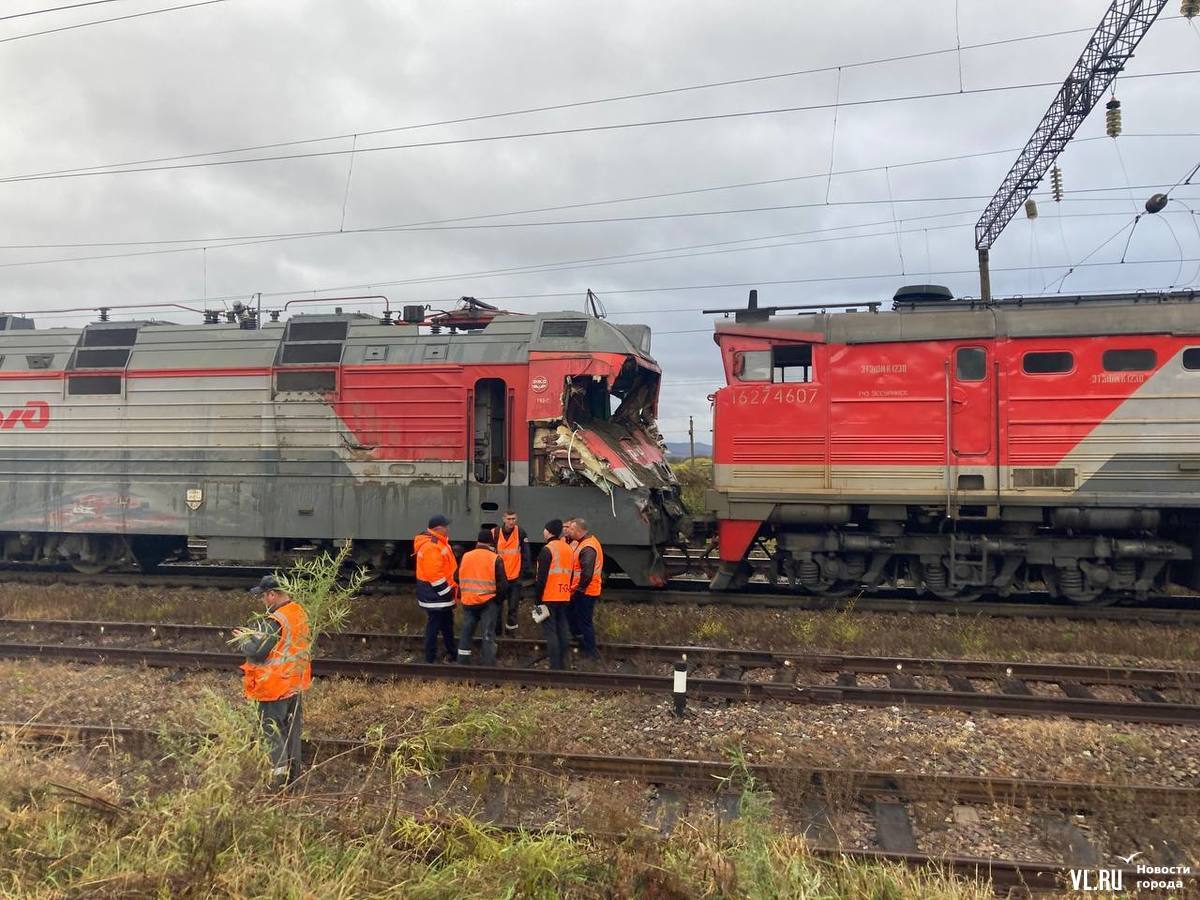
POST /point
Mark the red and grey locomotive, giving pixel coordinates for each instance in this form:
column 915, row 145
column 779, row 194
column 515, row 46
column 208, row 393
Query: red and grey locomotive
column 964, row 447
column 122, row 440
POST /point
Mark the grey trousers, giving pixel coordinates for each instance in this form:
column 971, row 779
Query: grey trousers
column 281, row 721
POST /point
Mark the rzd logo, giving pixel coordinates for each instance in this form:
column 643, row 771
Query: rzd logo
column 34, row 414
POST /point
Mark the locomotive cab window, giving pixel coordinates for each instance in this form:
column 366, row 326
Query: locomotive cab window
column 1191, row 358
column 970, row 364
column 491, row 399
column 1129, row 360
column 752, row 365
column 791, row 363
column 1047, row 362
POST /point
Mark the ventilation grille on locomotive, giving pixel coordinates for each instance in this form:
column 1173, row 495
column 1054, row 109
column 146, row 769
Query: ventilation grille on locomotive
column 1044, row 478
column 557, row 328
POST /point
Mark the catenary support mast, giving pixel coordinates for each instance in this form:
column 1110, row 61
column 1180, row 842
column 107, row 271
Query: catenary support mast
column 1118, row 34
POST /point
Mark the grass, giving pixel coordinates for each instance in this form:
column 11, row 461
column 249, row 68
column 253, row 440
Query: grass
column 711, row 630
column 209, row 826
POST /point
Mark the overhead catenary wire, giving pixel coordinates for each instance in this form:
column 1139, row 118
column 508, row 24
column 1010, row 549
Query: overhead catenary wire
column 544, row 267
column 54, row 9
column 217, row 241
column 576, row 103
column 556, row 132
column 757, row 283
column 137, row 15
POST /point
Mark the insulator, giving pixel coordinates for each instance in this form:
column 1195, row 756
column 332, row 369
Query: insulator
column 1056, row 184
column 1031, row 208
column 1189, row 8
column 1112, row 116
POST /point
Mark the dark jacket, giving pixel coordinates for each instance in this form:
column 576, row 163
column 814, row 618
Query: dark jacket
column 544, row 561
column 587, row 568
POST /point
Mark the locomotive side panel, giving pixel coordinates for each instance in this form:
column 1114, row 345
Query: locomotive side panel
column 888, row 422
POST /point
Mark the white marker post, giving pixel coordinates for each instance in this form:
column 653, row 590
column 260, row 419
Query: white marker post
column 679, row 687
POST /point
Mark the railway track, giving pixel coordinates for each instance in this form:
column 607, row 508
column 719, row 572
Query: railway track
column 859, row 783
column 1157, row 696
column 888, row 791
column 1163, row 610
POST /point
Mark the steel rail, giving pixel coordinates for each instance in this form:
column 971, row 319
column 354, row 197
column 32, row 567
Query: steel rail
column 724, row 656
column 1012, row 704
column 1168, row 610
column 861, row 783
column 1004, row 875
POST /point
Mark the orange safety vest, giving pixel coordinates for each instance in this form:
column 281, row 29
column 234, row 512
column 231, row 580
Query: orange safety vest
column 509, row 549
column 435, row 571
column 477, row 576
column 558, row 582
column 592, row 588
column 287, row 670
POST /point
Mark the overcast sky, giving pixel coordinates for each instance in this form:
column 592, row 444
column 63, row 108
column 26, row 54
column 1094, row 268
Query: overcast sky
column 241, row 73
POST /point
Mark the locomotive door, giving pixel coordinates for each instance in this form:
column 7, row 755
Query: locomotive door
column 971, row 419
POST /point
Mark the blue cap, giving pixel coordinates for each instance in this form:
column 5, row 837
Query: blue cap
column 438, row 521
column 268, row 583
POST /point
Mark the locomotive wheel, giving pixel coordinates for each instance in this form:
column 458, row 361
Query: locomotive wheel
column 836, row 590
column 956, row 595
column 1104, row 598
column 89, row 568
column 1070, row 583
column 935, row 579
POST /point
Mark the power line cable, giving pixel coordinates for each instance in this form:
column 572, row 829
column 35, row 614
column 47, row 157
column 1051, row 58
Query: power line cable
column 571, row 104
column 54, row 9
column 759, row 283
column 557, row 107
column 137, row 15
column 535, row 268
column 688, row 287
column 437, row 224
column 557, row 132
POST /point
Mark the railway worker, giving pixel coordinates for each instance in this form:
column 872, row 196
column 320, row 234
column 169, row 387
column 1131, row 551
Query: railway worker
column 512, row 544
column 483, row 583
column 278, row 669
column 586, row 565
column 552, row 587
column 436, row 586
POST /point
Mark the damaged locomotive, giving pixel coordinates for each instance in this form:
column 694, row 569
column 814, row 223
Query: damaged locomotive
column 264, row 440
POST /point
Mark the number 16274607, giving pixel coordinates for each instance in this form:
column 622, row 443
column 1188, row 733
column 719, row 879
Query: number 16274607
column 776, row 395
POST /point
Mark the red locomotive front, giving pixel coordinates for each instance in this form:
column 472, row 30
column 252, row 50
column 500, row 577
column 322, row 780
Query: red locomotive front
column 962, row 447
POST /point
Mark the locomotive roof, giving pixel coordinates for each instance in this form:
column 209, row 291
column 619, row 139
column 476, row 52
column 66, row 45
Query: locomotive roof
column 366, row 340
column 960, row 319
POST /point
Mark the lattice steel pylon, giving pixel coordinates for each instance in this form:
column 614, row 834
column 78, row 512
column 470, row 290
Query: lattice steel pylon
column 1118, row 34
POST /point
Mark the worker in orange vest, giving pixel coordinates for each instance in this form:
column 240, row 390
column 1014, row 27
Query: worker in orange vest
column 513, row 546
column 586, row 565
column 278, row 669
column 552, row 587
column 436, row 586
column 483, row 582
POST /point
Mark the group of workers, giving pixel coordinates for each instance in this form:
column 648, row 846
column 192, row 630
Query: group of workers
column 566, row 586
